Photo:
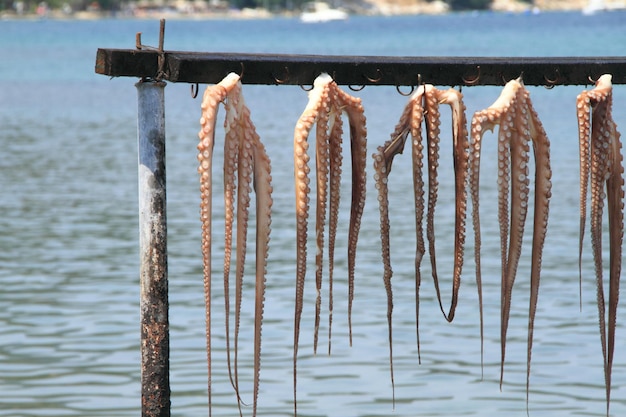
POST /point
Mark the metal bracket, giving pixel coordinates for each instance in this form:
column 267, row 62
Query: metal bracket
column 161, row 58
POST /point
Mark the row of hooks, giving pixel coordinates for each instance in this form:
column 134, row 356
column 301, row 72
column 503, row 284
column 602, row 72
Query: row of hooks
column 468, row 81
column 348, row 68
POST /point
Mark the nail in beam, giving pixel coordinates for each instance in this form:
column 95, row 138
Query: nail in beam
column 155, row 384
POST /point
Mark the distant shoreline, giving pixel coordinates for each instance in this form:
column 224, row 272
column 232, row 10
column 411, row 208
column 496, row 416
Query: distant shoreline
column 229, row 14
column 88, row 15
column 190, row 10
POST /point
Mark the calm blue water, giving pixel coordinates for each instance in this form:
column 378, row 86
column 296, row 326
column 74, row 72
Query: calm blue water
column 69, row 315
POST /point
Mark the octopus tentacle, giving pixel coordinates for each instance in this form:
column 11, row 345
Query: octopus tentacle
column 431, row 109
column 358, row 152
column 234, row 107
column 461, row 177
column 504, row 187
column 615, row 198
column 543, row 192
column 263, row 189
column 231, row 157
column 518, row 148
column 605, row 166
column 433, row 98
column 583, row 114
column 599, row 174
column 519, row 154
column 254, row 169
column 322, row 172
column 335, row 162
column 317, row 96
column 213, row 95
column 410, row 122
column 418, row 201
column 481, row 121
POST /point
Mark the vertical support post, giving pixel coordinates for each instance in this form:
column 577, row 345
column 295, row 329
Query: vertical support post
column 155, row 384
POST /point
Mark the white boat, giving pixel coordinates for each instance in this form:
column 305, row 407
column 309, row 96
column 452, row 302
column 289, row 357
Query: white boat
column 318, row 11
column 595, row 6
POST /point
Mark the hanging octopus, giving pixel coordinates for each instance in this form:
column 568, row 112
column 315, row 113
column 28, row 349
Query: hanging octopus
column 519, row 127
column 326, row 104
column 423, row 104
column 600, row 164
column 245, row 162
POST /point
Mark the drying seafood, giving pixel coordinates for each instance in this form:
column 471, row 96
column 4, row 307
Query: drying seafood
column 245, row 162
column 600, row 164
column 424, row 104
column 519, row 126
column 326, row 104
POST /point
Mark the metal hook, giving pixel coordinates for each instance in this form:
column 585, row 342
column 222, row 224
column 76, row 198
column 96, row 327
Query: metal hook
column 375, row 80
column 317, row 74
column 159, row 49
column 552, row 82
column 359, row 88
column 405, row 94
column 520, row 77
column 161, row 34
column 194, row 90
column 472, row 81
column 284, row 79
column 242, row 70
column 161, row 57
column 591, row 80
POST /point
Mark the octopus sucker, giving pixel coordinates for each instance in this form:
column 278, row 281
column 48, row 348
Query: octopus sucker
column 601, row 166
column 327, row 102
column 245, row 156
column 519, row 127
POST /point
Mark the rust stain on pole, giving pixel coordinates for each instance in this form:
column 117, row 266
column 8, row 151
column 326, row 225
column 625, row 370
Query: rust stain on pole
column 154, row 305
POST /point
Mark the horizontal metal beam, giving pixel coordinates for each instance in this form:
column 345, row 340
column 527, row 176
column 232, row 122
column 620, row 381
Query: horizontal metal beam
column 209, row 68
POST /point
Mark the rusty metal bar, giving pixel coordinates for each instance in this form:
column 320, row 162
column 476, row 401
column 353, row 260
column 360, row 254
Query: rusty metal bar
column 197, row 67
column 154, row 305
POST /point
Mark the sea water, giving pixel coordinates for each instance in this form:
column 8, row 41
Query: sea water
column 69, row 295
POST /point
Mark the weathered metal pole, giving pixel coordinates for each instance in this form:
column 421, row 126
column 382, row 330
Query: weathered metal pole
column 155, row 351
